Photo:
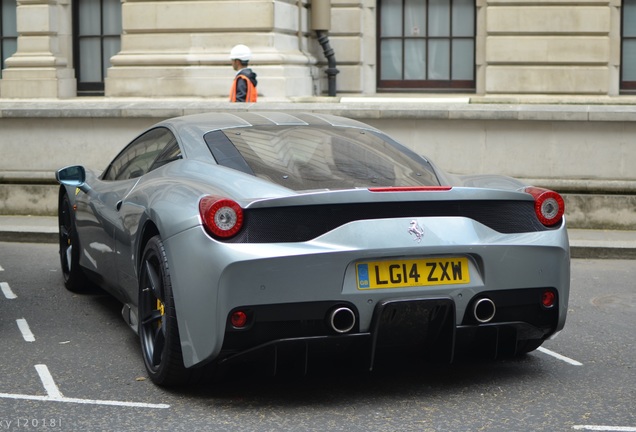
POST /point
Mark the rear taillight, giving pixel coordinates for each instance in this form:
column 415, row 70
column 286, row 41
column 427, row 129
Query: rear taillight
column 548, row 205
column 221, row 217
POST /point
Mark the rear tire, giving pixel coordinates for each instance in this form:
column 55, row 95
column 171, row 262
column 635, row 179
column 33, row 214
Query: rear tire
column 158, row 329
column 74, row 278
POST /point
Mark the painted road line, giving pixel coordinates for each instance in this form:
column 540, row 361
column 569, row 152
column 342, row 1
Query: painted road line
column 1, row 269
column 6, row 290
column 48, row 383
column 559, row 356
column 25, row 330
column 55, row 395
column 605, row 428
column 84, row 401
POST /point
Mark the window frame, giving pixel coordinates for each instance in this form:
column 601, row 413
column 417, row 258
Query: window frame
column 90, row 88
column 433, row 85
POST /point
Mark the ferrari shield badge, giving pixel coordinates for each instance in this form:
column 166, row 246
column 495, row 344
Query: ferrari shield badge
column 416, row 231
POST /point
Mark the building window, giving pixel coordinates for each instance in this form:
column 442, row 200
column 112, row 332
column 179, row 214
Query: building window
column 426, row 45
column 628, row 49
column 8, row 31
column 96, row 38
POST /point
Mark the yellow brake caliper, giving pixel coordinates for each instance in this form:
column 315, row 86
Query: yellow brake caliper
column 162, row 309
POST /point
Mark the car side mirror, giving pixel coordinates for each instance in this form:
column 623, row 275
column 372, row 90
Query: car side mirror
column 73, row 176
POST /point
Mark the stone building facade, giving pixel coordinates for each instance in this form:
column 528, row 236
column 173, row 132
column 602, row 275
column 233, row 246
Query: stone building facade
column 425, row 71
column 179, row 48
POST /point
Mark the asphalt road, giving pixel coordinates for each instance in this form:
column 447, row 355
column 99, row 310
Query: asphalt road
column 69, row 363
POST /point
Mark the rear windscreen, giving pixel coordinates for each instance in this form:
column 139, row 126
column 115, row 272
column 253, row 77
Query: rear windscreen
column 308, row 157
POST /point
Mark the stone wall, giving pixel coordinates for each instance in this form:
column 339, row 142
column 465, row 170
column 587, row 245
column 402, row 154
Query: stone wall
column 547, row 47
column 584, row 151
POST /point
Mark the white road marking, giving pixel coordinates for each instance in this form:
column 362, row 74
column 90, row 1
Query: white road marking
column 559, row 356
column 1, row 269
column 83, row 401
column 6, row 290
column 605, row 428
column 55, row 395
column 48, row 383
column 25, row 330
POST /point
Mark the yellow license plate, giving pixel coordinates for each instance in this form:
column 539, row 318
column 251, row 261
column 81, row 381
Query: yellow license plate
column 411, row 273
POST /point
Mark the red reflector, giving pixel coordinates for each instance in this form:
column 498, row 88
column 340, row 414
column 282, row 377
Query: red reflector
column 411, row 189
column 239, row 319
column 548, row 299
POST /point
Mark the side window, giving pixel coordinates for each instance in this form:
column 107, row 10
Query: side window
column 8, row 30
column 628, row 60
column 225, row 153
column 171, row 153
column 149, row 151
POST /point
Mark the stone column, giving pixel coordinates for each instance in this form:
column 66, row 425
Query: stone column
column 180, row 48
column 42, row 66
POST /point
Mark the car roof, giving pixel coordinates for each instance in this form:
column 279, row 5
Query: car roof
column 200, row 124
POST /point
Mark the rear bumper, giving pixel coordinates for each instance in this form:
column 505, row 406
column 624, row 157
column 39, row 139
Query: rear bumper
column 211, row 279
column 425, row 326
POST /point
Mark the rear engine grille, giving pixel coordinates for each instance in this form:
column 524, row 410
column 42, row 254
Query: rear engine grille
column 303, row 223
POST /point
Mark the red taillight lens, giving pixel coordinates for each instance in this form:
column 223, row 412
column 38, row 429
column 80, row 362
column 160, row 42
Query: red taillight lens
column 548, row 205
column 548, row 298
column 221, row 217
column 238, row 319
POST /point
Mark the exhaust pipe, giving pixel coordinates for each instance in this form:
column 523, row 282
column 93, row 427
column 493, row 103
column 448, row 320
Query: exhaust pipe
column 484, row 310
column 341, row 319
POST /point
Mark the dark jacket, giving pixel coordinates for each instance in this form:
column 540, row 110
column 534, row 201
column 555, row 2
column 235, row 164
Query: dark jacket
column 241, row 85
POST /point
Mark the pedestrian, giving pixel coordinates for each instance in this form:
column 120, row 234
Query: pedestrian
column 244, row 84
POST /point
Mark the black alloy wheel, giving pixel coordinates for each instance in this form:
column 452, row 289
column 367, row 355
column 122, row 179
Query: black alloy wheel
column 158, row 328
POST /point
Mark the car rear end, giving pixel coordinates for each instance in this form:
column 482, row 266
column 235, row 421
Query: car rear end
column 436, row 270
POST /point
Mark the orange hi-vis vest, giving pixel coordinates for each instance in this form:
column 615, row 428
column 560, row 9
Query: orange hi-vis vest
column 251, row 95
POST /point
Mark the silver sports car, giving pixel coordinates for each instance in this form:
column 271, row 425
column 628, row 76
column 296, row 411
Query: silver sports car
column 283, row 236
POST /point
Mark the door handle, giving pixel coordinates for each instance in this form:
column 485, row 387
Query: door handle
column 118, row 205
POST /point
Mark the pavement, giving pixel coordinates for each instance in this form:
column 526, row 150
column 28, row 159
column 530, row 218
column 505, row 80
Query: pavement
column 584, row 243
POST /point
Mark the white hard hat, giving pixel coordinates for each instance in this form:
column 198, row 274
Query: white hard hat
column 240, row 52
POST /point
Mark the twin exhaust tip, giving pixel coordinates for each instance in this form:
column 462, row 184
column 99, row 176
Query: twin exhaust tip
column 341, row 319
column 484, row 310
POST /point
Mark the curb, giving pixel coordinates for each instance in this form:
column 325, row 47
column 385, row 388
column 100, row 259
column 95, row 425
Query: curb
column 599, row 252
column 28, row 237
